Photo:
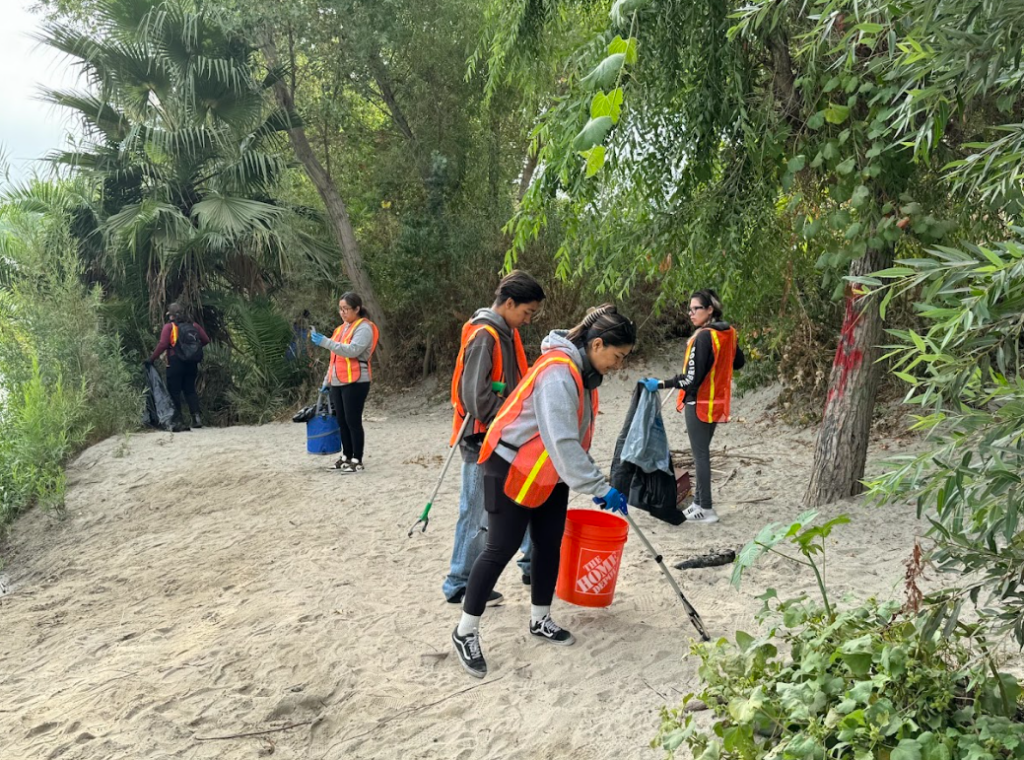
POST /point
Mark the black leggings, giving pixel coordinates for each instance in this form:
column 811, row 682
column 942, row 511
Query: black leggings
column 181, row 378
column 700, row 434
column 348, row 401
column 506, row 525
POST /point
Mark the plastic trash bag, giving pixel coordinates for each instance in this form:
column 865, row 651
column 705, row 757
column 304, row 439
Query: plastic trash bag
column 646, row 443
column 159, row 407
column 654, row 491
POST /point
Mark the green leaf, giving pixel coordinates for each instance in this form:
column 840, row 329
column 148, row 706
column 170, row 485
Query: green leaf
column 796, row 164
column 595, row 159
column 907, row 749
column 847, row 166
column 628, row 47
column 622, row 10
column 836, row 114
column 860, row 196
column 607, row 105
column 592, row 133
column 605, row 73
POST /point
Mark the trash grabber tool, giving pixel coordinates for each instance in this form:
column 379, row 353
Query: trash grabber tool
column 425, row 517
column 694, row 615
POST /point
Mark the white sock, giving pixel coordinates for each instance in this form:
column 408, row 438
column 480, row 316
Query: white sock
column 469, row 624
column 539, row 611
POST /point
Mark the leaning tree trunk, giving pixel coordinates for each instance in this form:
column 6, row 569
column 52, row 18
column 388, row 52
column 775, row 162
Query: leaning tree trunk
column 842, row 447
column 337, row 215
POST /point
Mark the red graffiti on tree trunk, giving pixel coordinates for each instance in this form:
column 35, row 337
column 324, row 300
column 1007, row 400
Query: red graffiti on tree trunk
column 848, row 355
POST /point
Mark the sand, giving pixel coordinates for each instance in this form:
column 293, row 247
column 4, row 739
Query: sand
column 222, row 582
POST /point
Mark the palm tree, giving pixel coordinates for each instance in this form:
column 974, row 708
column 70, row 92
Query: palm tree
column 185, row 150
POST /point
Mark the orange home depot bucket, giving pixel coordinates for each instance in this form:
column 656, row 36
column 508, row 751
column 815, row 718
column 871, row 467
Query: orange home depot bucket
column 591, row 553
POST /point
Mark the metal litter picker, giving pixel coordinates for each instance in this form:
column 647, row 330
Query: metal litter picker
column 693, row 614
column 497, row 387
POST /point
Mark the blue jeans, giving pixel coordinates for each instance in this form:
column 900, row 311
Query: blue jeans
column 471, row 532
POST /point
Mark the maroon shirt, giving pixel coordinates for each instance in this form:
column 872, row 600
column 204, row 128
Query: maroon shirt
column 165, row 341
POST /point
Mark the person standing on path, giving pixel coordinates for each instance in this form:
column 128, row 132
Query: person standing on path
column 348, row 376
column 705, row 391
column 490, row 364
column 183, row 341
column 536, row 449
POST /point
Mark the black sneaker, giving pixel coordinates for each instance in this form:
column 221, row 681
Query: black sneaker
column 351, row 467
column 549, row 630
column 197, row 421
column 470, row 655
column 494, row 598
column 340, row 463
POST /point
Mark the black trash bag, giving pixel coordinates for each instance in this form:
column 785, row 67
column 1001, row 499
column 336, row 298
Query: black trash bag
column 159, row 407
column 654, row 492
column 305, row 414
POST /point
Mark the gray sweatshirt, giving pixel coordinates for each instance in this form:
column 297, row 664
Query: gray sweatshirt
column 475, row 392
column 359, row 349
column 553, row 409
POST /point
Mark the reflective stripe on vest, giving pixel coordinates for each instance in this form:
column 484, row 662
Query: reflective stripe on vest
column 714, row 397
column 350, row 370
column 531, row 476
column 469, row 332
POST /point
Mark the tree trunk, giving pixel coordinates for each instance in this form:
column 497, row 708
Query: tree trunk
column 842, row 446
column 337, row 215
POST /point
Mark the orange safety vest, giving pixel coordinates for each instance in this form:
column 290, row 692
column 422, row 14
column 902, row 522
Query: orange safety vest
column 715, row 393
column 469, row 331
column 343, row 368
column 532, row 477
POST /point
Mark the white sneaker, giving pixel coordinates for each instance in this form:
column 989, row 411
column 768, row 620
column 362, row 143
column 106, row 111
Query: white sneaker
column 696, row 513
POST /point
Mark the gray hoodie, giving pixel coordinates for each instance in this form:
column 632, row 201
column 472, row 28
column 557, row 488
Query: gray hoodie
column 553, row 409
column 359, row 348
column 475, row 392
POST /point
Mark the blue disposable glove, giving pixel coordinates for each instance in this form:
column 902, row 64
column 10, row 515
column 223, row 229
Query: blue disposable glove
column 324, row 388
column 650, row 383
column 613, row 500
column 315, row 337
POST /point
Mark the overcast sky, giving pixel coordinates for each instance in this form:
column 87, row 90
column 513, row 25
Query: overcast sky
column 29, row 128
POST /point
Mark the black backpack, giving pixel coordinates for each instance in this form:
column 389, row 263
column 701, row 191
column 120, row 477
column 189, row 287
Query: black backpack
column 189, row 346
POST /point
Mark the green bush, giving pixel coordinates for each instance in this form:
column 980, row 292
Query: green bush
column 64, row 382
column 872, row 681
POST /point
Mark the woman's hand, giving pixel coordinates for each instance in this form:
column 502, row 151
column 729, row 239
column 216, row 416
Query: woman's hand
column 315, row 337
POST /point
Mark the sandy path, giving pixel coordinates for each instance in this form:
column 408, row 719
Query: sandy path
column 221, row 582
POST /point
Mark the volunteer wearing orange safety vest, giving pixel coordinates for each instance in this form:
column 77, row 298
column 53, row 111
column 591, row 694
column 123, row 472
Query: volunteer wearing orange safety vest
column 348, row 376
column 490, row 364
column 705, row 391
column 536, row 449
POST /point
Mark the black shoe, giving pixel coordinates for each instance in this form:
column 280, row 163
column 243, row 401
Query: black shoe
column 470, row 655
column 351, row 467
column 340, row 463
column 493, row 598
column 179, row 427
column 527, row 579
column 196, row 421
column 548, row 630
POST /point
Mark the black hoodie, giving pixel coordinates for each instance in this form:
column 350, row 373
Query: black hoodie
column 701, row 359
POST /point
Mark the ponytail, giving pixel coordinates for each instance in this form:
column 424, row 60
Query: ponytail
column 708, row 297
column 606, row 323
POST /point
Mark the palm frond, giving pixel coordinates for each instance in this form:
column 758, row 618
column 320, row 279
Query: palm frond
column 234, row 217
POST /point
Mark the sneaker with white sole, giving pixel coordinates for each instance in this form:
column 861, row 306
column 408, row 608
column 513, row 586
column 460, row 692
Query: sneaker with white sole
column 696, row 513
column 470, row 655
column 351, row 466
column 548, row 630
column 339, row 463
